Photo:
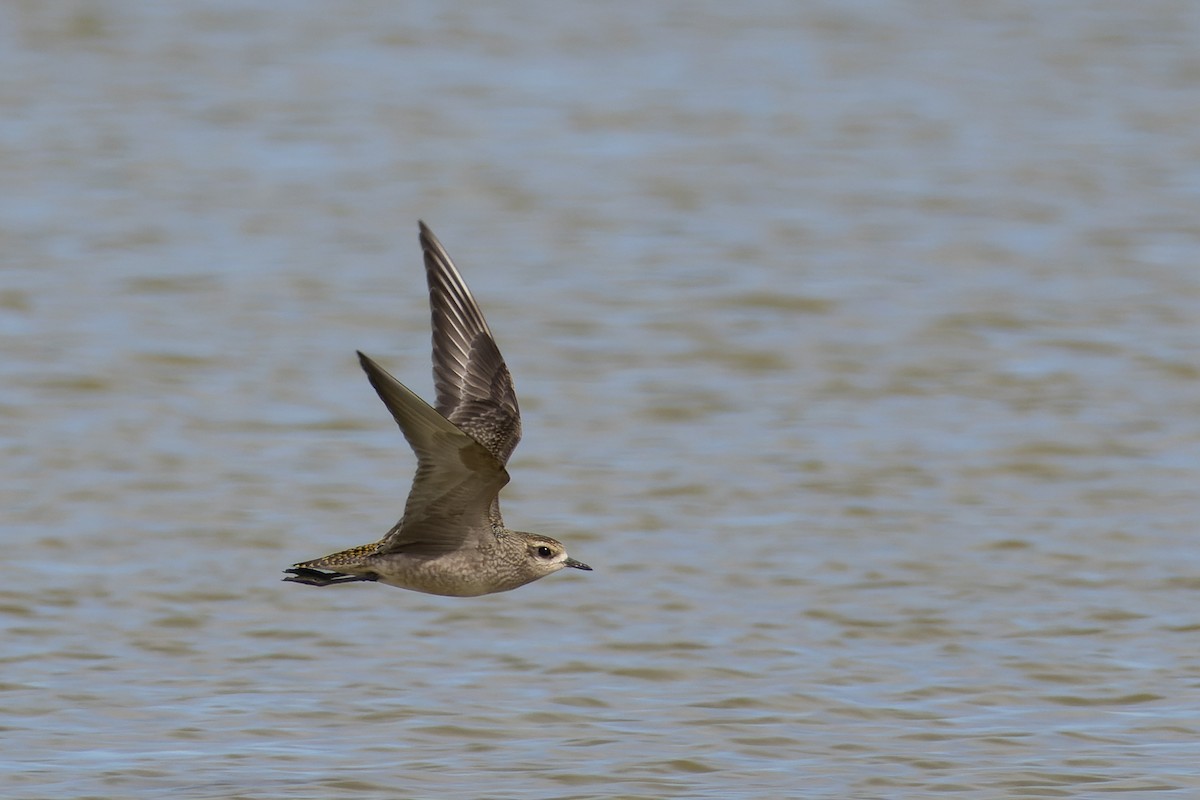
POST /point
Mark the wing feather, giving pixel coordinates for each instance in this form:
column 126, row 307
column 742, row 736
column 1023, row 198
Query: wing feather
column 457, row 479
column 474, row 387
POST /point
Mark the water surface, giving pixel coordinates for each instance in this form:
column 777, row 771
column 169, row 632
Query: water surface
column 857, row 349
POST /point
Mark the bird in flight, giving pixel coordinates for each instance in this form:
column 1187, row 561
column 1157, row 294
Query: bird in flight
column 451, row 540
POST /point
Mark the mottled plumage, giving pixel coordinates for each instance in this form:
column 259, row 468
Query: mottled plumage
column 451, row 539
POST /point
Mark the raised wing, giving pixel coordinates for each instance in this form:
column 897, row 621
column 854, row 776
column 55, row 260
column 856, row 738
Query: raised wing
column 474, row 387
column 457, row 478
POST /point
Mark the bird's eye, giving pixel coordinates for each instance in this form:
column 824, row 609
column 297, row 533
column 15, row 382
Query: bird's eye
column 544, row 552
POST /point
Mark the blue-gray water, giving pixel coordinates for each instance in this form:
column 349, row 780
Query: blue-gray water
column 857, row 344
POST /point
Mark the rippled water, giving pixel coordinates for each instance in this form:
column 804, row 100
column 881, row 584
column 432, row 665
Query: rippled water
column 857, row 345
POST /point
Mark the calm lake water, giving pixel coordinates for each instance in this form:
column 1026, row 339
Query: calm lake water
column 858, row 347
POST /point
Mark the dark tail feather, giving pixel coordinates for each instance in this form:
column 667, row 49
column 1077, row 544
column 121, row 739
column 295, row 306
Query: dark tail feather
column 315, row 577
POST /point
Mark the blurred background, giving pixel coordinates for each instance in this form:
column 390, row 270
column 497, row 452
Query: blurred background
column 857, row 348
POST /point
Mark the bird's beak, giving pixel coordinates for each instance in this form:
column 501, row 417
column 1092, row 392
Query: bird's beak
column 570, row 562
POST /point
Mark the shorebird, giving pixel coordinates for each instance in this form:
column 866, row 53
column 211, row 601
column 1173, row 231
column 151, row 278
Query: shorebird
column 451, row 540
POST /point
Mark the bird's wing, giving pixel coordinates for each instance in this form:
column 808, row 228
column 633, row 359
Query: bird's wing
column 457, row 478
column 474, row 387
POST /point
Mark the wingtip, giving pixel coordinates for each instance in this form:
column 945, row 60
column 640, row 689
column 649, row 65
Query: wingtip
column 431, row 246
column 367, row 363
